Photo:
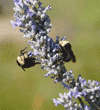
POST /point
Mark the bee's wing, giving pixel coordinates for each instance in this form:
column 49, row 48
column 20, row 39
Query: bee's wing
column 67, row 58
column 72, row 55
column 69, row 50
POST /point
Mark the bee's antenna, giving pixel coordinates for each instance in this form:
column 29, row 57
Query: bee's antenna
column 23, row 50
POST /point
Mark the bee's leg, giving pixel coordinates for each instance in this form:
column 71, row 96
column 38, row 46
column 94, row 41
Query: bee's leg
column 37, row 63
column 22, row 68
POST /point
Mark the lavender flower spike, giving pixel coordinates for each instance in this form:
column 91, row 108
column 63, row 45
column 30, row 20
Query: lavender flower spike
column 36, row 25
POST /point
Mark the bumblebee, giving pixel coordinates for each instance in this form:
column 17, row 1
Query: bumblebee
column 68, row 54
column 25, row 61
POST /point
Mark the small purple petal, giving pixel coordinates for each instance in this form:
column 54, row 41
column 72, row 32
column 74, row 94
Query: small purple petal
column 52, row 44
column 33, row 27
column 27, row 1
column 55, row 81
column 77, row 94
column 48, row 39
column 97, row 83
column 30, row 13
column 30, row 53
column 52, row 77
column 13, row 23
column 17, row 1
column 71, row 94
column 86, row 107
column 84, row 93
column 65, row 85
column 56, row 102
column 48, row 8
column 18, row 22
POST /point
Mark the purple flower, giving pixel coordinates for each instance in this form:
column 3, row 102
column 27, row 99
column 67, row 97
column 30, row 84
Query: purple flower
column 14, row 24
column 97, row 83
column 27, row 1
column 17, row 2
column 71, row 94
column 65, row 86
column 52, row 43
column 18, row 22
column 84, row 93
column 33, row 27
column 77, row 94
column 56, row 102
column 37, row 27
column 30, row 53
column 48, row 8
column 86, row 107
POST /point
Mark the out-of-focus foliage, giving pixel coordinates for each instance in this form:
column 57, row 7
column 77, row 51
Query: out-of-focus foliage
column 30, row 90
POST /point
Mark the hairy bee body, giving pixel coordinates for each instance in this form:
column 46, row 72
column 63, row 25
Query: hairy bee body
column 25, row 61
column 67, row 51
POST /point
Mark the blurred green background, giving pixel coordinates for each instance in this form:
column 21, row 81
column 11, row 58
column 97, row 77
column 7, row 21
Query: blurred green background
column 79, row 21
